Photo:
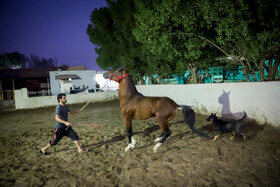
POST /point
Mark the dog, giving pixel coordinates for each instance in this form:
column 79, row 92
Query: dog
column 226, row 126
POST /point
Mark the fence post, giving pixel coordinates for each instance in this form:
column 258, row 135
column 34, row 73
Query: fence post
column 20, row 98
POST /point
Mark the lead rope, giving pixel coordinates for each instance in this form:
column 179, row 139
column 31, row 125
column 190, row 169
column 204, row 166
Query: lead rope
column 218, row 108
column 91, row 99
column 95, row 137
column 89, row 102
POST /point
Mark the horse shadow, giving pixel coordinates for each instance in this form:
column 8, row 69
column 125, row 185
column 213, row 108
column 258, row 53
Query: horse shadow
column 146, row 132
column 250, row 126
column 226, row 111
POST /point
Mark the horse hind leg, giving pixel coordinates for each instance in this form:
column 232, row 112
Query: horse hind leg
column 163, row 123
column 161, row 139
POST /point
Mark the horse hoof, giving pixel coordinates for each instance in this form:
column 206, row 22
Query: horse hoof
column 158, row 139
column 129, row 146
column 156, row 147
column 155, row 150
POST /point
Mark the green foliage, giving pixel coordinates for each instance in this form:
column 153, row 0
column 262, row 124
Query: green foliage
column 13, row 60
column 110, row 31
column 37, row 63
column 247, row 31
column 171, row 36
column 16, row 60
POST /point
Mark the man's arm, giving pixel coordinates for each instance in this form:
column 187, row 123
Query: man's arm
column 73, row 112
column 58, row 119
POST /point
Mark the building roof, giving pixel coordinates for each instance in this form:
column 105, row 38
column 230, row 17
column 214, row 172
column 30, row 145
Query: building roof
column 66, row 76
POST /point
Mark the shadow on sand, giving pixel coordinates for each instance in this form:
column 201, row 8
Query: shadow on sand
column 249, row 126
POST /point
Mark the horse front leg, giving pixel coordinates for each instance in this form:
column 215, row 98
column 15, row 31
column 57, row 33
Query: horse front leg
column 131, row 140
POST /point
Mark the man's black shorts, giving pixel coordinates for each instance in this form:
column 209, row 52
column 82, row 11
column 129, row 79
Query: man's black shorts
column 59, row 133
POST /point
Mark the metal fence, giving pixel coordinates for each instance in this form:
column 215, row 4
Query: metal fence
column 7, row 95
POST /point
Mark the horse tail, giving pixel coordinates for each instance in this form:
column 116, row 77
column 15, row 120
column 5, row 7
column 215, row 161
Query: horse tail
column 189, row 118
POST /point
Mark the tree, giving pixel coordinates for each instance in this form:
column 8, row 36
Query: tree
column 171, row 36
column 16, row 60
column 13, row 60
column 40, row 63
column 247, row 32
column 63, row 66
column 145, row 37
column 111, row 31
column 167, row 30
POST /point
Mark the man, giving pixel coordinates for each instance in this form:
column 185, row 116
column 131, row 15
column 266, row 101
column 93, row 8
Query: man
column 62, row 126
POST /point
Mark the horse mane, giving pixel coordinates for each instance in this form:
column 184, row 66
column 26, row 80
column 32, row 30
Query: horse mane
column 129, row 84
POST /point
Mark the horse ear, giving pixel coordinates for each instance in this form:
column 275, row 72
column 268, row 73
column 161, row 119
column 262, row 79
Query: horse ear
column 226, row 92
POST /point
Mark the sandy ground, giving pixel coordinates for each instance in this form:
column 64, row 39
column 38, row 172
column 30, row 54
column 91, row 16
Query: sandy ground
column 185, row 159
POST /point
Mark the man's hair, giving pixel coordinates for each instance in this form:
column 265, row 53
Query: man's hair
column 59, row 96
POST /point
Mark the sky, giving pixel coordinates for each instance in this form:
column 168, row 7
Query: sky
column 49, row 29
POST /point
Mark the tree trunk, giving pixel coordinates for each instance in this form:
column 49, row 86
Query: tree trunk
column 248, row 69
column 271, row 70
column 207, row 74
column 246, row 74
column 261, row 70
column 194, row 74
column 252, row 72
column 254, row 75
column 193, row 77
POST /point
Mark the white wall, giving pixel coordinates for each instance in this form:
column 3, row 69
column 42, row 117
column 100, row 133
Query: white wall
column 259, row 100
column 24, row 102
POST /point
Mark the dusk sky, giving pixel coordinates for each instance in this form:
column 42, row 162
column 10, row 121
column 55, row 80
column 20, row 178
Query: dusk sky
column 49, row 29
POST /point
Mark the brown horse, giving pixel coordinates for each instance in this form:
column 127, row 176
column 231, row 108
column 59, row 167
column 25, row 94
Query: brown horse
column 134, row 105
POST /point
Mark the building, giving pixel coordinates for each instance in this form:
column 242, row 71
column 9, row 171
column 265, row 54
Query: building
column 35, row 80
column 76, row 80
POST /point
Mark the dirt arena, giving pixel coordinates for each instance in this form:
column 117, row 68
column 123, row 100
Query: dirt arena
column 185, row 159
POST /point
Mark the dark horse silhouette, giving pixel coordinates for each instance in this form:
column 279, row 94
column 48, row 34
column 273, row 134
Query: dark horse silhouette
column 134, row 105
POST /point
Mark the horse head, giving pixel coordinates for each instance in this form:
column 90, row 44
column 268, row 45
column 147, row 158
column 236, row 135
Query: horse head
column 224, row 98
column 116, row 75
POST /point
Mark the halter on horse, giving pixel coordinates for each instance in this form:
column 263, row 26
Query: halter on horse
column 134, row 105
